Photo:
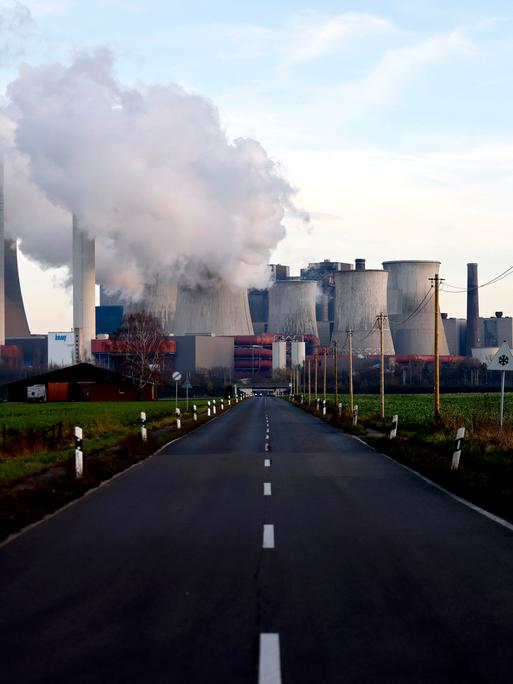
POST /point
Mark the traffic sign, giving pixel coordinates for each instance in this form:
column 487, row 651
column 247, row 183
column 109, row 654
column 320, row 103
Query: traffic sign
column 503, row 359
column 177, row 376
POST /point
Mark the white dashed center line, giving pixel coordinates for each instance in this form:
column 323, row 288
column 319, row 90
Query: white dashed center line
column 267, row 462
column 269, row 666
column 268, row 537
column 267, row 489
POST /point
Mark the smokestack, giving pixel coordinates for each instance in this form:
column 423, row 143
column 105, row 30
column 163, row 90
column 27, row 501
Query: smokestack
column 359, row 264
column 2, row 256
column 84, row 300
column 473, row 339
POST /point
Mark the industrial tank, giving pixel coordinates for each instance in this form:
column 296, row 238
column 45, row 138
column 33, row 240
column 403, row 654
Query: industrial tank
column 292, row 307
column 214, row 308
column 360, row 297
column 411, row 307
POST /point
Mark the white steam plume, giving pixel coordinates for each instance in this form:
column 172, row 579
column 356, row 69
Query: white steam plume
column 148, row 170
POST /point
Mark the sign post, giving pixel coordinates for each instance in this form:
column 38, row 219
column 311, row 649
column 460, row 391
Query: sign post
column 177, row 376
column 502, row 361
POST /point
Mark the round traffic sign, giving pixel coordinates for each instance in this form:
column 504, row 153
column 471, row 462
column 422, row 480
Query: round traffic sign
column 177, row 376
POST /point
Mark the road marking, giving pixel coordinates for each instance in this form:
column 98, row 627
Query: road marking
column 268, row 539
column 267, row 489
column 267, row 437
column 267, row 447
column 267, row 462
column 269, row 666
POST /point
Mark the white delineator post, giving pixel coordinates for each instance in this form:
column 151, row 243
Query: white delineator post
column 324, row 407
column 339, row 409
column 355, row 414
column 195, row 412
column 84, row 292
column 455, row 464
column 214, row 408
column 393, row 431
column 222, row 405
column 318, row 401
column 79, row 452
column 144, row 433
column 208, row 410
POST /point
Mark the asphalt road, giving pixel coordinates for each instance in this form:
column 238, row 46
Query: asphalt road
column 369, row 573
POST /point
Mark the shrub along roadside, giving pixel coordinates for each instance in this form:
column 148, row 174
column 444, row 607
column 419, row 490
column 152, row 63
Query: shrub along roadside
column 485, row 475
column 32, row 498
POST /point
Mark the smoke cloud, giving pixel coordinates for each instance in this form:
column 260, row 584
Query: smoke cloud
column 149, row 172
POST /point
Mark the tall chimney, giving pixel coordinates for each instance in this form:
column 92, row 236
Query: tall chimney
column 84, row 300
column 473, row 339
column 2, row 255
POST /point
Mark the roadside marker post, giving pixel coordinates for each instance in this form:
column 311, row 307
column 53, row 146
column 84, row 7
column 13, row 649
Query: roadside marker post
column 195, row 412
column 455, row 464
column 318, row 401
column 222, row 405
column 355, row 414
column 214, row 407
column 79, row 452
column 339, row 409
column 324, row 407
column 393, row 431
column 144, row 432
column 208, row 410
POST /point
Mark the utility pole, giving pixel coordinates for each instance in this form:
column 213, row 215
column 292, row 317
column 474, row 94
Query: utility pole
column 335, row 369
column 351, row 400
column 325, row 355
column 436, row 360
column 381, row 319
column 316, row 362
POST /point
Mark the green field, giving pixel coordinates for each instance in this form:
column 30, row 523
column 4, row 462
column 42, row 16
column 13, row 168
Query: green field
column 416, row 410
column 35, row 437
column 95, row 416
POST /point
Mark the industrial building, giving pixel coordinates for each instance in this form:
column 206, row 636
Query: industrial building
column 216, row 325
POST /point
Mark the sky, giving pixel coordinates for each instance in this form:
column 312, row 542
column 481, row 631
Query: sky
column 393, row 120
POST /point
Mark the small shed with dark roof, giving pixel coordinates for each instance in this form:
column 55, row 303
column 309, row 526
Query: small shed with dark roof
column 82, row 382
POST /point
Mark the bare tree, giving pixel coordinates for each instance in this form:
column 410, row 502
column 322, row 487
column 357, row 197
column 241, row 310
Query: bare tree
column 141, row 338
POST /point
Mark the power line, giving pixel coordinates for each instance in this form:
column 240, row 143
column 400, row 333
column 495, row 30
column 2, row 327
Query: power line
column 460, row 290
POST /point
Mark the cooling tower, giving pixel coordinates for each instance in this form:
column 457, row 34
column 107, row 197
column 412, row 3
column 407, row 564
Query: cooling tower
column 360, row 296
column 292, row 307
column 411, row 307
column 473, row 340
column 84, row 299
column 16, row 324
column 215, row 308
column 159, row 300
